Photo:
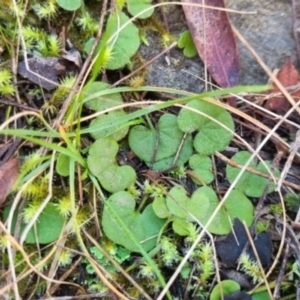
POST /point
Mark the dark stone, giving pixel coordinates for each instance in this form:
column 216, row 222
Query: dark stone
column 263, row 244
column 229, row 250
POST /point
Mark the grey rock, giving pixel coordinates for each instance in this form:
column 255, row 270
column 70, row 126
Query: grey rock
column 182, row 72
column 269, row 32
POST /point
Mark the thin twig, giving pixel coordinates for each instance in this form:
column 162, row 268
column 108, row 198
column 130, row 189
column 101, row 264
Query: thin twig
column 55, row 287
column 264, row 275
column 260, row 204
column 293, row 152
column 81, row 297
column 179, row 149
column 295, row 33
column 145, row 65
column 18, row 105
column 84, row 67
column 253, row 171
column 276, row 293
column 269, row 73
column 116, row 265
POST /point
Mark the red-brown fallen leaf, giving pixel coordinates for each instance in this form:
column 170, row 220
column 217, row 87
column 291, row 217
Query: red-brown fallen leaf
column 288, row 76
column 214, row 40
column 8, row 175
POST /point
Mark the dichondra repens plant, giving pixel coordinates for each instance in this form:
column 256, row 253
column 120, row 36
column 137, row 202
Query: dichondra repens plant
column 125, row 226
column 81, row 184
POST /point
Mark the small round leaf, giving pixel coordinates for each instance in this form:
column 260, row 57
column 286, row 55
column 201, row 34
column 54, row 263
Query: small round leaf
column 202, row 204
column 202, row 167
column 144, row 227
column 62, row 165
column 102, row 163
column 212, row 136
column 69, row 4
column 137, row 6
column 251, row 184
column 100, row 103
column 160, row 207
column 116, row 132
column 227, row 287
column 160, row 145
column 186, row 42
column 126, row 42
column 45, row 234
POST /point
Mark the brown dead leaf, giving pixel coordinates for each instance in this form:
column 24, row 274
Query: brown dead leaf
column 8, row 175
column 152, row 175
column 214, row 40
column 288, row 76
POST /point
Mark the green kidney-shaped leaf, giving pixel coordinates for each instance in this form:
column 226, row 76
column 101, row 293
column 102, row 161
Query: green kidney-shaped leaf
column 143, row 141
column 48, row 226
column 186, row 42
column 143, row 227
column 100, row 103
column 202, row 167
column 69, row 4
column 116, row 132
column 227, row 286
column 160, row 207
column 136, row 6
column 126, row 42
column 251, row 184
column 204, row 202
column 63, row 165
column 168, row 162
column 102, row 163
column 117, row 178
column 161, row 144
column 211, row 137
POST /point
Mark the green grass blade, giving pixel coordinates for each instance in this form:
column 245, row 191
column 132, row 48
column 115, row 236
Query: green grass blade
column 215, row 93
column 166, row 104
